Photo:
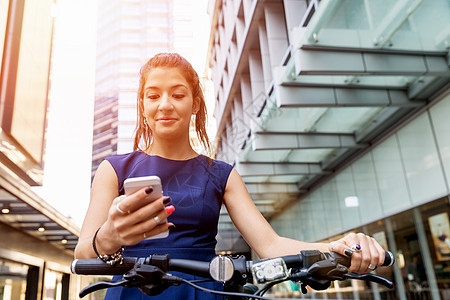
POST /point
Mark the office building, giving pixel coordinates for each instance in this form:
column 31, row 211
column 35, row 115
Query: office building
column 335, row 113
column 36, row 241
column 129, row 33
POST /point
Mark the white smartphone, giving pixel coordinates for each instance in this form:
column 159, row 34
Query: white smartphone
column 132, row 185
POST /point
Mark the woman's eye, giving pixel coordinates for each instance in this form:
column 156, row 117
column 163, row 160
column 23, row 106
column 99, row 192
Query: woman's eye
column 152, row 96
column 178, row 95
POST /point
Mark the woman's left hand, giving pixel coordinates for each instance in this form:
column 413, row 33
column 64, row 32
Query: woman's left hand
column 367, row 253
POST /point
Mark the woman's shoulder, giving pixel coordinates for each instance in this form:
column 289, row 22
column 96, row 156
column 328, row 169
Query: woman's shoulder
column 126, row 156
column 122, row 162
column 215, row 166
column 221, row 164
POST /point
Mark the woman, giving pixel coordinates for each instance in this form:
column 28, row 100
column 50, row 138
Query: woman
column 169, row 95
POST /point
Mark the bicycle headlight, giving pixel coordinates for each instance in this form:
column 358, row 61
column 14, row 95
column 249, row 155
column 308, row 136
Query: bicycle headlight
column 269, row 270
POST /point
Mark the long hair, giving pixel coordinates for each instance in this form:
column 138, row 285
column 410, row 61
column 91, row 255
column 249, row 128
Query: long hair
column 170, row 60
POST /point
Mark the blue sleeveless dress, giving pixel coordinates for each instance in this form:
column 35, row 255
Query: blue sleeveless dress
column 196, row 187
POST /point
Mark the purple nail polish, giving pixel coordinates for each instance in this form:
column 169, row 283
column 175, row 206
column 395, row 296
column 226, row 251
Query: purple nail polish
column 149, row 190
column 348, row 252
column 167, row 200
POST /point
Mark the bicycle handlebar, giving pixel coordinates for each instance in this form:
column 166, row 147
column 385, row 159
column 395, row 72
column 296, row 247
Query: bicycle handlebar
column 151, row 274
column 94, row 266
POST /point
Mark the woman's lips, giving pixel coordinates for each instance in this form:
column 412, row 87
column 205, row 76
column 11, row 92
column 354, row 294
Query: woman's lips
column 166, row 120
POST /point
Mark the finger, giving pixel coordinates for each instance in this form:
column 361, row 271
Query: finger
column 381, row 252
column 155, row 231
column 137, row 236
column 338, row 247
column 155, row 224
column 149, row 223
column 374, row 254
column 342, row 247
column 348, row 242
column 366, row 252
column 162, row 216
column 129, row 202
column 140, row 196
column 357, row 256
column 154, row 208
column 116, row 207
column 132, row 225
column 118, row 199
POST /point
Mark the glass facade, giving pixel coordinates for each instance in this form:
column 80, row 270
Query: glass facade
column 36, row 241
column 403, row 171
column 32, row 84
column 26, row 37
column 419, row 237
column 403, row 181
column 381, row 24
column 335, row 115
column 13, row 280
column 4, row 9
column 52, row 285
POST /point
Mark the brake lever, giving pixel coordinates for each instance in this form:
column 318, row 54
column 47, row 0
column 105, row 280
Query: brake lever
column 371, row 277
column 101, row 285
column 149, row 279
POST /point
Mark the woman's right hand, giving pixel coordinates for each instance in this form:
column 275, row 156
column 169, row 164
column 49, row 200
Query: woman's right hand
column 127, row 227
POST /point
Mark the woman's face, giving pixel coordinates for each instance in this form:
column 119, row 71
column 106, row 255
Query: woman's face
column 168, row 104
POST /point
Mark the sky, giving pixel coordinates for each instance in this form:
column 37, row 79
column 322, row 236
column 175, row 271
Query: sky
column 67, row 169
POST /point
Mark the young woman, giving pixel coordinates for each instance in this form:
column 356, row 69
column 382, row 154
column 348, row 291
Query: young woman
column 194, row 186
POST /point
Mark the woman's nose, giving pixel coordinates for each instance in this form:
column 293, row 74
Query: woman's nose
column 165, row 103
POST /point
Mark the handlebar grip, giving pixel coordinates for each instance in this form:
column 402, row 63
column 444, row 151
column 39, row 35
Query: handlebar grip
column 199, row 268
column 389, row 259
column 95, row 266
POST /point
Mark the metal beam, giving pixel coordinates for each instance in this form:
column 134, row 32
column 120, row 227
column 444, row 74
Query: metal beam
column 56, row 233
column 294, row 96
column 315, row 61
column 47, row 227
column 269, row 169
column 383, row 122
column 22, row 212
column 45, row 222
column 277, row 141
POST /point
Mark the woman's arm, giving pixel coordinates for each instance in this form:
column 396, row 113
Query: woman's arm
column 104, row 190
column 117, row 229
column 266, row 243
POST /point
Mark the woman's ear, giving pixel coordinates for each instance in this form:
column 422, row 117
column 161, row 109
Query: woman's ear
column 196, row 105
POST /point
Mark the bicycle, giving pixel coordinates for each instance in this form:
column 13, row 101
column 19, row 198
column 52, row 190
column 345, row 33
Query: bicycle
column 151, row 274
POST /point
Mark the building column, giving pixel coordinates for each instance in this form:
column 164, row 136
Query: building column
column 239, row 127
column 265, row 56
column 426, row 256
column 375, row 291
column 247, row 6
column 247, row 101
column 256, row 80
column 400, row 286
column 276, row 32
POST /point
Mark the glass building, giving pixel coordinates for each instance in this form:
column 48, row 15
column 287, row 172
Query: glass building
column 335, row 113
column 129, row 33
